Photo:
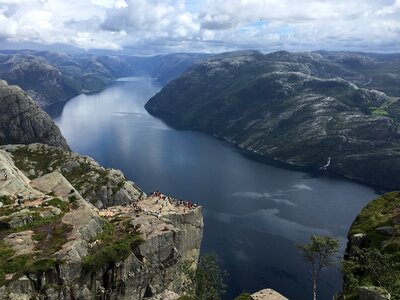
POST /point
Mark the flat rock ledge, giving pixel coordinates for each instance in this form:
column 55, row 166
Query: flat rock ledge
column 268, row 294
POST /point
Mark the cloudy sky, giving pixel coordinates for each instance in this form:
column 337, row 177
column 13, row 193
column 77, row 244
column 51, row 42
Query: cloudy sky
column 162, row 26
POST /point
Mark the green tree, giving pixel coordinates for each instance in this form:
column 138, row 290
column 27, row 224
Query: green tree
column 206, row 282
column 320, row 253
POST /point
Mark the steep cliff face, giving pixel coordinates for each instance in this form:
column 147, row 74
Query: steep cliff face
column 56, row 245
column 285, row 106
column 372, row 265
column 23, row 122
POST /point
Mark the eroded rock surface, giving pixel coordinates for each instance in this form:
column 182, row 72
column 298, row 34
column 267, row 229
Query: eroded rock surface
column 66, row 248
column 22, row 121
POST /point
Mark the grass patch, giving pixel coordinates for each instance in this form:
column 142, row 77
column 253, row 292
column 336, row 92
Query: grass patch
column 51, row 237
column 377, row 213
column 56, row 202
column 6, row 200
column 377, row 263
column 244, row 296
column 8, row 211
column 116, row 242
column 379, row 111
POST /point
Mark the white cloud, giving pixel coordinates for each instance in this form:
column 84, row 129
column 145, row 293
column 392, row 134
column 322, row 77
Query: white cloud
column 213, row 25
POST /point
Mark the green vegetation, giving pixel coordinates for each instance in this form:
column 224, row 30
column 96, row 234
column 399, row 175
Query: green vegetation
column 6, row 200
column 118, row 187
column 8, row 211
column 56, row 202
column 244, row 296
column 377, row 213
column 21, row 264
column 319, row 252
column 115, row 243
column 51, row 233
column 371, row 267
column 86, row 177
column 377, row 262
column 206, row 282
column 383, row 109
column 74, row 201
column 52, row 236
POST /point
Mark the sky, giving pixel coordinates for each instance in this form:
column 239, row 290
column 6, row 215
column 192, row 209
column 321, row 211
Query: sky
column 166, row 26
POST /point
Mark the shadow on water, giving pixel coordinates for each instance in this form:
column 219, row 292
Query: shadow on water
column 254, row 212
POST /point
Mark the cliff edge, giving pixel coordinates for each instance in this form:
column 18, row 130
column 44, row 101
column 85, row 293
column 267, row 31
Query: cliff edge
column 55, row 244
column 372, row 266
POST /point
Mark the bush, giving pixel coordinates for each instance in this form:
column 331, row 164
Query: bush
column 206, row 281
column 244, row 296
column 6, row 200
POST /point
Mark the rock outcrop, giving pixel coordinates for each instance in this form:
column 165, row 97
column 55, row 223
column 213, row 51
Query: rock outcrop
column 23, row 122
column 292, row 108
column 373, row 293
column 268, row 294
column 100, row 186
column 371, row 265
column 56, row 245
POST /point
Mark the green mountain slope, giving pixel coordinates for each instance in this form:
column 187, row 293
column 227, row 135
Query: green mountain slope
column 295, row 108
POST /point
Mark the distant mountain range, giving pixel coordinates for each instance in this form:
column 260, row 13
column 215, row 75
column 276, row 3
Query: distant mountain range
column 334, row 111
column 53, row 77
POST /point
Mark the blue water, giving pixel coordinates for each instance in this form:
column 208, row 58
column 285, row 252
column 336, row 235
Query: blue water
column 254, row 213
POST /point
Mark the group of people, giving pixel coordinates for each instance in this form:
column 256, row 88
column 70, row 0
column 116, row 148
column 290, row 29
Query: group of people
column 136, row 207
column 175, row 202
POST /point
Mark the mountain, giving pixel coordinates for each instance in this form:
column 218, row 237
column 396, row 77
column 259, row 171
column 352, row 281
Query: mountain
column 51, row 78
column 54, row 244
column 167, row 67
column 22, row 121
column 303, row 109
column 56, row 77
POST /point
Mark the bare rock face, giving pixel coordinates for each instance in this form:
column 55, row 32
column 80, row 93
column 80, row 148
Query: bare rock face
column 65, row 248
column 268, row 294
column 100, row 186
column 22, row 121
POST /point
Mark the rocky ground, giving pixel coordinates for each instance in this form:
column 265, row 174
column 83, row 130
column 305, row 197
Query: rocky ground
column 56, row 245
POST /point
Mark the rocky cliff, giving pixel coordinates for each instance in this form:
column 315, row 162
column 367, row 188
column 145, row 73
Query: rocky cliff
column 372, row 265
column 56, row 245
column 289, row 108
column 56, row 77
column 23, row 122
column 51, row 78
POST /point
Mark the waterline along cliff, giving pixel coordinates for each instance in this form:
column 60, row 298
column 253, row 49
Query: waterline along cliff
column 71, row 229
column 310, row 110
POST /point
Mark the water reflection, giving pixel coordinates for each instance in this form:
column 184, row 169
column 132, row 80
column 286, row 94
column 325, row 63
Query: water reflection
column 254, row 213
